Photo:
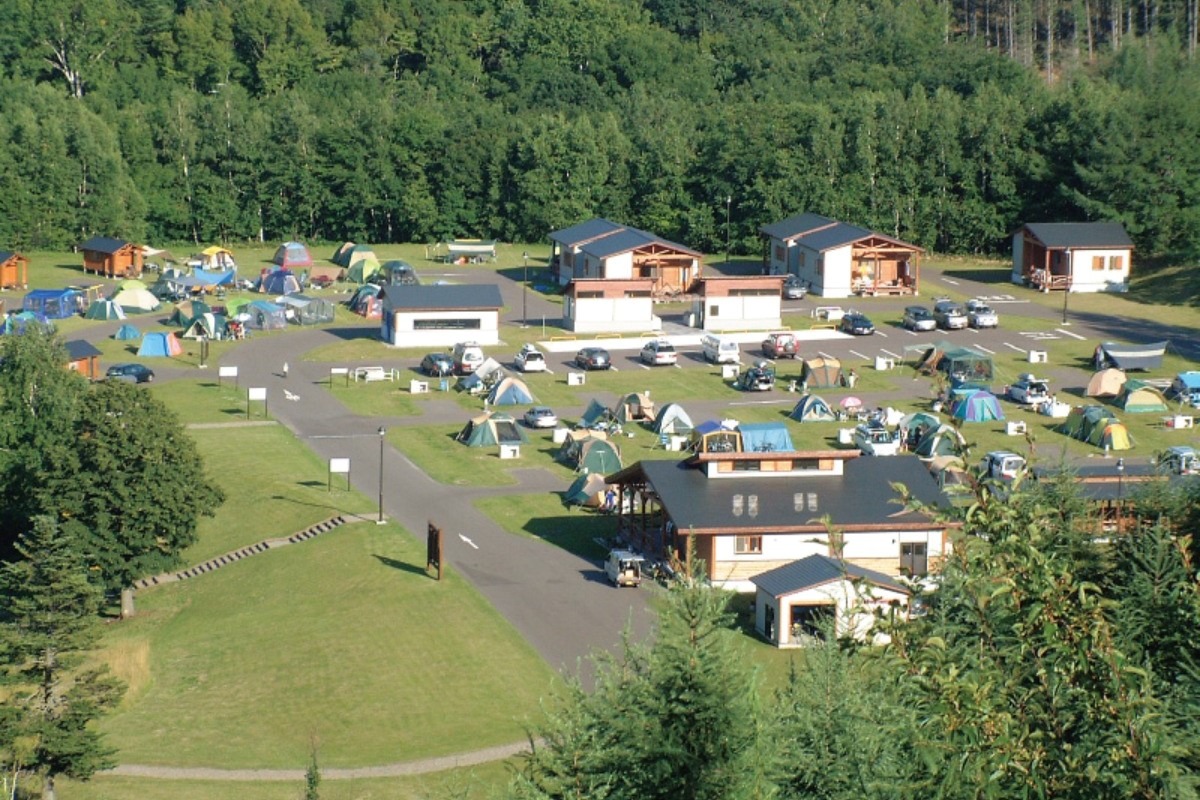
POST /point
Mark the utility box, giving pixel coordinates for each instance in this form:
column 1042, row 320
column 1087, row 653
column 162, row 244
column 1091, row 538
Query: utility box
column 418, row 387
column 510, row 451
column 729, row 372
column 1037, row 356
column 882, row 363
column 576, row 378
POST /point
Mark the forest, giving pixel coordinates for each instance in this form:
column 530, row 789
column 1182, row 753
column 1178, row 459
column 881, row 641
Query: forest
column 947, row 123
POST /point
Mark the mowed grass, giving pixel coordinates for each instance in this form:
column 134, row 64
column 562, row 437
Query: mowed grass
column 544, row 517
column 274, row 486
column 343, row 640
column 469, row 783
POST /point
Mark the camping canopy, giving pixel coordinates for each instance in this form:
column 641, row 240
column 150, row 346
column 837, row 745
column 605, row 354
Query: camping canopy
column 590, row 453
column 1129, row 356
column 104, row 309
column 587, row 490
column 714, row 436
column 291, row 255
column 672, row 419
column 962, row 364
column 633, row 406
column 1139, row 397
column 976, row 405
column 812, row 408
column 160, row 345
column 308, row 310
column 204, row 277
column 821, row 372
column 279, row 282
column 1186, row 385
column 263, row 315
column 1106, row 383
column 53, row 303
column 133, row 300
column 471, row 248
column 510, row 391
column 765, row 437
column 492, row 430
column 1096, row 425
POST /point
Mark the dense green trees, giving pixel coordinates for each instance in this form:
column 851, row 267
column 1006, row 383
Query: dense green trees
column 410, row 120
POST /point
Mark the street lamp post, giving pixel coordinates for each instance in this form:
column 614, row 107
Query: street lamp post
column 525, row 291
column 1120, row 490
column 382, row 439
column 728, row 211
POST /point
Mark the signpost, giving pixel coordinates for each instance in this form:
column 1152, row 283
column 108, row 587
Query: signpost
column 227, row 372
column 339, row 466
column 339, row 371
column 256, row 393
column 433, row 550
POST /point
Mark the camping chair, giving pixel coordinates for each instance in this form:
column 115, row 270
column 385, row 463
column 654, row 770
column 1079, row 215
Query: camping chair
column 664, row 441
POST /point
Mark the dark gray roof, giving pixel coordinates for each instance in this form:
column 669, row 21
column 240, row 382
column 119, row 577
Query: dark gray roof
column 861, row 496
column 5, row 255
column 1069, row 235
column 816, row 570
column 103, row 244
column 629, row 239
column 1100, row 482
column 838, row 235
column 796, row 225
column 433, row 298
column 585, row 231
column 78, row 349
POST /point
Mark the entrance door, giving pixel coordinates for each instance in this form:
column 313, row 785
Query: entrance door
column 913, row 558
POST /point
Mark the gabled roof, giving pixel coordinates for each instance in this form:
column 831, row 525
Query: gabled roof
column 1071, row 235
column 630, row 239
column 78, row 349
column 440, row 298
column 817, row 570
column 103, row 244
column 860, row 498
column 585, row 232
column 5, row 255
column 797, row 225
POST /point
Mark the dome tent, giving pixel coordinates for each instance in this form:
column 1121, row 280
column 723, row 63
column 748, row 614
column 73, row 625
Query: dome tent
column 491, row 430
column 510, row 391
column 292, row 254
column 1139, row 397
column 1098, row 426
column 1106, row 383
column 944, row 440
column 672, row 419
column 590, row 453
column 821, row 373
column 976, row 405
column 278, row 282
column 104, row 309
column 205, row 326
column 127, row 333
column 587, row 490
column 633, row 406
column 341, row 256
column 160, row 345
column 363, row 269
column 812, row 408
column 399, row 273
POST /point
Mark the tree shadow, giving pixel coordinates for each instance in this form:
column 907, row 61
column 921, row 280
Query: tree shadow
column 992, row 275
column 350, row 334
column 403, row 566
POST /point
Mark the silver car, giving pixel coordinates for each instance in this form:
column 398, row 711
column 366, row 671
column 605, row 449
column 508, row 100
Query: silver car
column 981, row 315
column 949, row 315
column 918, row 318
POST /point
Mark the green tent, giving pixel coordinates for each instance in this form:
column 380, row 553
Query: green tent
column 943, row 440
column 1139, row 397
column 104, row 309
column 1098, row 426
column 492, row 430
column 363, row 269
column 587, row 490
column 590, row 453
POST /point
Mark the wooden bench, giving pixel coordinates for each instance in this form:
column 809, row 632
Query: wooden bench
column 372, row 374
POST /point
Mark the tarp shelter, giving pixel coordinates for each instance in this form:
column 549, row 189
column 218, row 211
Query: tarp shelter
column 217, row 258
column 632, row 407
column 765, row 437
column 1098, row 426
column 291, row 255
column 235, row 304
column 672, row 419
column 944, row 440
column 321, row 273
column 1106, row 383
column 976, row 405
column 264, row 316
column 127, row 333
column 104, row 309
column 1139, row 397
column 492, row 430
column 811, row 408
column 714, row 436
column 1129, row 356
column 134, row 300
column 53, row 303
column 20, row 321
column 486, row 375
column 510, row 391
column 279, row 282
column 187, row 310
column 160, row 254
column 203, row 278
column 366, row 302
column 1186, row 387
column 160, row 345
column 206, row 326
column 399, row 273
column 341, row 256
column 590, row 453
column 308, row 310
column 821, row 373
column 363, row 270
column 595, row 415
column 587, row 490
column 460, row 251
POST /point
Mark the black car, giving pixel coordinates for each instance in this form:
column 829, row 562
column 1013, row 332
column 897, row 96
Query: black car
column 133, row 373
column 437, row 365
column 856, row 324
column 593, row 358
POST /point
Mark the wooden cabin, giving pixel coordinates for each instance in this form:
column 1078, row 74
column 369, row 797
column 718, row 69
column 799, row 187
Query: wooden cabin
column 84, row 358
column 1073, row 256
column 14, row 270
column 607, row 250
column 112, row 258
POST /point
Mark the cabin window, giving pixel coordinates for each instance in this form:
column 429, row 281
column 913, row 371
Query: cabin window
column 747, row 466
column 780, row 253
column 1097, row 263
column 472, row 324
column 748, row 545
column 714, row 311
column 1116, row 263
column 590, row 295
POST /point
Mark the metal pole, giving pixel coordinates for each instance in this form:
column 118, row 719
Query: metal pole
column 382, row 439
column 1066, row 294
column 728, row 210
column 525, row 291
column 1120, row 491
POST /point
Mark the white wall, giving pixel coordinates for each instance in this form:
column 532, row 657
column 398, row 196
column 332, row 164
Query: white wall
column 611, row 314
column 1085, row 279
column 838, row 280
column 404, row 335
column 619, row 267
column 855, row 608
column 744, row 312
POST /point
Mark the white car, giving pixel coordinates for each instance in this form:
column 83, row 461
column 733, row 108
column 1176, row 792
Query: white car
column 530, row 359
column 541, row 417
column 949, row 315
column 1029, row 390
column 874, row 440
column 659, row 352
column 981, row 315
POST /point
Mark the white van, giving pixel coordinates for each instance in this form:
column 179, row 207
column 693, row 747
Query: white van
column 720, row 351
column 623, row 568
column 467, row 357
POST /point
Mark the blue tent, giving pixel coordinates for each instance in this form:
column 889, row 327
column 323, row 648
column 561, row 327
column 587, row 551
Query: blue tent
column 157, row 344
column 53, row 303
column 18, row 322
column 127, row 333
column 280, row 281
column 765, row 437
column 510, row 392
column 976, row 406
column 812, row 408
column 214, row 278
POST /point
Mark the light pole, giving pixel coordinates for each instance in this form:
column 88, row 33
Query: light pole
column 525, row 291
column 1120, row 490
column 382, row 439
column 728, row 211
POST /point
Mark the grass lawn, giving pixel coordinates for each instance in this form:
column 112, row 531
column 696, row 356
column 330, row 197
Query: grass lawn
column 342, row 638
column 208, row 400
column 381, row 399
column 274, row 486
column 544, row 517
column 469, row 783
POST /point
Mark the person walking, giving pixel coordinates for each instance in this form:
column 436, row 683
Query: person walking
column 285, row 369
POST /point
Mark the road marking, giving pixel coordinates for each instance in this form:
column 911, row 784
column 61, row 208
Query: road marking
column 911, row 333
column 950, row 281
column 468, row 541
column 889, row 353
column 1069, row 333
column 860, row 355
column 984, row 349
column 760, row 402
column 824, row 355
column 1014, row 347
column 881, row 333
column 1040, row 336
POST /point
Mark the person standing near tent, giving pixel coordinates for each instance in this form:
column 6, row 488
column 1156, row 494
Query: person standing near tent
column 610, row 501
column 285, row 369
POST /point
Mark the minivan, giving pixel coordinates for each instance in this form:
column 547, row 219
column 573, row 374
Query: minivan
column 623, row 568
column 467, row 357
column 720, row 351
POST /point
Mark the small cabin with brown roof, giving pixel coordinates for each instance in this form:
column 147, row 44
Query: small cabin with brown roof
column 1073, row 256
column 739, row 302
column 606, row 250
column 112, row 258
column 14, row 270
column 83, row 357
column 840, row 260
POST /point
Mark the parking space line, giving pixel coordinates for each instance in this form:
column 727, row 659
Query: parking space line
column 824, row 355
column 984, row 349
column 860, row 355
column 881, row 333
column 890, row 353
column 950, row 281
column 911, row 333
column 1014, row 347
column 1069, row 333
